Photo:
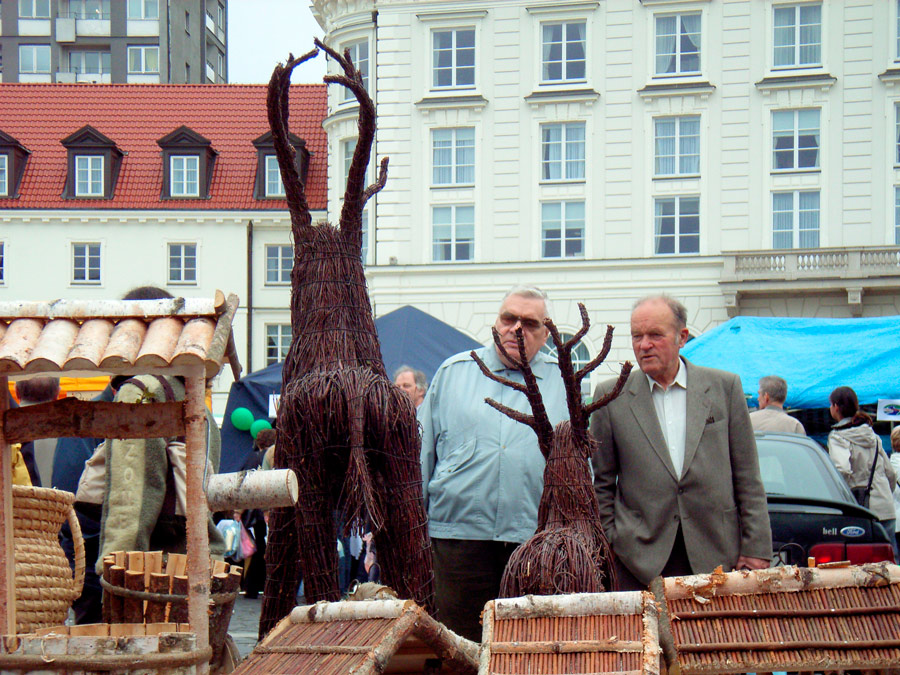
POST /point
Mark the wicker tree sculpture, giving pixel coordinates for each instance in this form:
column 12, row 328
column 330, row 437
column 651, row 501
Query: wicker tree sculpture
column 349, row 434
column 569, row 552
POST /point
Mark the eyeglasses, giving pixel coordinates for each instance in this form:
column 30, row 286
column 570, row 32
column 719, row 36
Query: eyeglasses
column 510, row 319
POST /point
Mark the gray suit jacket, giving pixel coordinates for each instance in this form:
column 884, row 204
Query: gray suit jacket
column 719, row 499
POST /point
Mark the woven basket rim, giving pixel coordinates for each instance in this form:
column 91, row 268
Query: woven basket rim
column 48, row 494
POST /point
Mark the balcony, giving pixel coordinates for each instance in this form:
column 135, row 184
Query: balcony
column 853, row 270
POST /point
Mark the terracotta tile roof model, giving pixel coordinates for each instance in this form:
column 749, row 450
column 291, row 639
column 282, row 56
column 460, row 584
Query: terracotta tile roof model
column 117, row 336
column 135, row 117
column 589, row 633
column 370, row 636
column 783, row 619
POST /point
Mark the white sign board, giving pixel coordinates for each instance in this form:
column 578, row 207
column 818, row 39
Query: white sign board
column 274, row 402
column 888, row 410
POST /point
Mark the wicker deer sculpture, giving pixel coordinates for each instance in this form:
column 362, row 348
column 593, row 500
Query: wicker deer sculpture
column 569, row 552
column 349, row 434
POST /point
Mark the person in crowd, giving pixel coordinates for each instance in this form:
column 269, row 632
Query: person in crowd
column 676, row 470
column 31, row 392
column 413, row 382
column 482, row 473
column 771, row 416
column 895, row 463
column 856, row 451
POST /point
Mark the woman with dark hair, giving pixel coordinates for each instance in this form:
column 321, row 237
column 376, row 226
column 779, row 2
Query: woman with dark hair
column 857, row 453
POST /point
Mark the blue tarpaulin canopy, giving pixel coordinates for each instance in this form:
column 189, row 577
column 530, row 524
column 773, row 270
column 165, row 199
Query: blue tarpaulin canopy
column 408, row 336
column 813, row 355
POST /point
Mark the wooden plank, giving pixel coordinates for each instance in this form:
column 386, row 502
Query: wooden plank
column 94, row 419
column 7, row 559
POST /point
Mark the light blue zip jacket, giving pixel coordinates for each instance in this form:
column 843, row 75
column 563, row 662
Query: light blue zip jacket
column 482, row 473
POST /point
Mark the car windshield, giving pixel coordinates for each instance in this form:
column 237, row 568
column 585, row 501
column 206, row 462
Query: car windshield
column 792, row 468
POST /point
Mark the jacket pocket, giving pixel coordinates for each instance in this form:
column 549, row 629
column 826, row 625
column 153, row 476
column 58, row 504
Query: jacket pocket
column 454, row 459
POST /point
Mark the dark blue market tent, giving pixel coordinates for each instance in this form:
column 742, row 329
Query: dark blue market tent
column 813, row 355
column 408, row 336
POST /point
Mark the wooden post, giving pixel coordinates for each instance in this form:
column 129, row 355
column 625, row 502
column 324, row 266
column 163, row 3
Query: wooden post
column 197, row 510
column 7, row 554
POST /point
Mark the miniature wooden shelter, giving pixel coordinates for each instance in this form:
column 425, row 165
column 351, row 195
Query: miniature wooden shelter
column 782, row 619
column 581, row 633
column 191, row 338
column 369, row 636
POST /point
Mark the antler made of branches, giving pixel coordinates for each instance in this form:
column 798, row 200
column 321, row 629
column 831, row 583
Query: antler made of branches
column 357, row 194
column 277, row 104
column 613, row 393
column 538, row 420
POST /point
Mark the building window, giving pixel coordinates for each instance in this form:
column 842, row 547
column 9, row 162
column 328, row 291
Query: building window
column 278, row 341
column 34, row 58
column 88, row 176
column 182, row 263
column 580, row 355
column 453, row 228
column 90, row 63
column 359, row 53
column 677, row 146
column 795, row 219
column 678, row 44
column 562, row 151
column 348, row 147
column 795, row 139
column 86, row 263
column 897, row 215
column 364, row 248
column 4, row 175
column 143, row 59
column 274, row 186
column 220, row 17
column 563, row 49
column 34, row 9
column 798, row 35
column 562, row 229
column 677, row 225
column 453, row 156
column 89, row 9
column 897, row 116
column 279, row 263
column 143, row 9
column 453, row 58
column 184, row 173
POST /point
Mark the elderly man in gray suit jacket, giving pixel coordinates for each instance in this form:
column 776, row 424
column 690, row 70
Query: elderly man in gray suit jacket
column 676, row 469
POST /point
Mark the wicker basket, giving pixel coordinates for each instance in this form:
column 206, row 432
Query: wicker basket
column 45, row 588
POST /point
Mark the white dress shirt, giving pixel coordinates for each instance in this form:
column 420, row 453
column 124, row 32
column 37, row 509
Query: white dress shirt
column 671, row 411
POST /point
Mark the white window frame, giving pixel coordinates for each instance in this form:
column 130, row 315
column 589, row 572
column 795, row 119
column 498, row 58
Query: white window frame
column 581, row 356
column 679, row 235
column 88, row 254
column 143, row 50
column 362, row 64
column 897, row 132
column 89, row 175
column 143, row 5
column 279, row 263
column 34, row 65
column 80, row 54
column 364, row 247
column 570, row 166
column 796, row 213
column 897, row 215
column 459, row 145
column 564, row 225
column 4, row 175
column 34, row 9
column 78, row 10
column 2, row 263
column 186, row 275
column 348, row 147
column 280, row 334
column 184, row 184
column 274, row 185
column 796, row 44
column 455, row 68
column 795, row 136
column 565, row 62
column 680, row 156
column 456, row 240
column 678, row 54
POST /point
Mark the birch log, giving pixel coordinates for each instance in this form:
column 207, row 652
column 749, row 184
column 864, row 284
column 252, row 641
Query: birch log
column 576, row 604
column 252, row 490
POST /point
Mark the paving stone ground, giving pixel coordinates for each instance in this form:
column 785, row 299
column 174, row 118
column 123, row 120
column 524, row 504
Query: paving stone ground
column 244, row 625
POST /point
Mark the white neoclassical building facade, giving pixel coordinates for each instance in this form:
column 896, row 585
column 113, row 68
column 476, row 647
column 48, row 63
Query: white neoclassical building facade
column 741, row 155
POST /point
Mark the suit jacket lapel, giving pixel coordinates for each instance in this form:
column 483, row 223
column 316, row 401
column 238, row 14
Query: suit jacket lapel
column 645, row 413
column 698, row 405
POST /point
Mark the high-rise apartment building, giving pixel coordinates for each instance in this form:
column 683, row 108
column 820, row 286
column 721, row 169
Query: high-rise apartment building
column 114, row 41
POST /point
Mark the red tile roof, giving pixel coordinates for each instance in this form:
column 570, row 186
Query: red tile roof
column 135, row 116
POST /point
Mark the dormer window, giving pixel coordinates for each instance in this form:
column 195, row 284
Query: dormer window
column 94, row 162
column 188, row 163
column 13, row 157
column 268, row 174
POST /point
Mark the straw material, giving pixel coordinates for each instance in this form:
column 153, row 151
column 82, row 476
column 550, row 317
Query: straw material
column 44, row 585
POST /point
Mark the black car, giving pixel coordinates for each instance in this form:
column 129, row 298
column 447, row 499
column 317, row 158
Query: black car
column 813, row 512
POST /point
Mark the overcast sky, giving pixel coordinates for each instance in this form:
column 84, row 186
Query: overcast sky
column 262, row 33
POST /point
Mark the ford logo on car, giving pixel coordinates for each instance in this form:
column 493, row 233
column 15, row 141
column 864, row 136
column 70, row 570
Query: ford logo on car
column 853, row 531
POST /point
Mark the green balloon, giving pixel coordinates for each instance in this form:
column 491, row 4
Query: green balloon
column 258, row 426
column 241, row 418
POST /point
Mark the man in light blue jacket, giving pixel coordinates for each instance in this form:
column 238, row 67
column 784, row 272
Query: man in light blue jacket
column 482, row 473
